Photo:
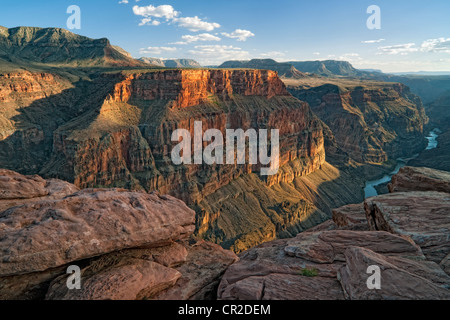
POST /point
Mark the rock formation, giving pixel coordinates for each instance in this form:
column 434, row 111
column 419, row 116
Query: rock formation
column 137, row 243
column 420, row 179
column 171, row 63
column 284, row 70
column 404, row 234
column 98, row 128
column 371, row 121
column 24, row 46
column 115, row 131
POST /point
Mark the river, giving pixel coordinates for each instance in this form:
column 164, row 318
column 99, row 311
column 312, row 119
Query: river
column 369, row 189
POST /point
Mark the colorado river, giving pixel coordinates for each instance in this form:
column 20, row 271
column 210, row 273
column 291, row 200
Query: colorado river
column 369, row 189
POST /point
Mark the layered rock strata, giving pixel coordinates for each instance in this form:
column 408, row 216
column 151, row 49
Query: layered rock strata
column 136, row 243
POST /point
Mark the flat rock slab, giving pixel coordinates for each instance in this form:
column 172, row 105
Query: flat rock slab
column 39, row 236
column 16, row 186
column 280, row 286
column 352, row 216
column 305, row 267
column 423, row 216
column 201, row 273
column 329, row 246
column 131, row 279
column 17, row 189
column 420, row 179
column 400, row 279
column 137, row 274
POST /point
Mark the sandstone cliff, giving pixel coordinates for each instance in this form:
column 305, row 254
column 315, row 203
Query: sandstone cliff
column 115, row 131
column 372, row 121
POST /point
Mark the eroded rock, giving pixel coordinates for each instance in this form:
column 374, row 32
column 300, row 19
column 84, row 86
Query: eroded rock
column 39, row 236
column 420, row 179
column 422, row 216
column 400, row 278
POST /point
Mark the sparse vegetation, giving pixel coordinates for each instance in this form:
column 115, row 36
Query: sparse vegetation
column 309, row 272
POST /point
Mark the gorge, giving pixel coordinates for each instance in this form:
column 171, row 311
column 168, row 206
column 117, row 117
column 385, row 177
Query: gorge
column 369, row 189
column 113, row 129
column 87, row 144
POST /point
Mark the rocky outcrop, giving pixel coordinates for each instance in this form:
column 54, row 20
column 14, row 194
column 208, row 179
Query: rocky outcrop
column 405, row 236
column 284, row 70
column 135, row 242
column 16, row 189
column 311, row 267
column 174, row 272
column 420, row 179
column 372, row 121
column 351, row 216
column 187, row 88
column 55, row 46
column 46, row 230
column 402, row 279
column 423, row 216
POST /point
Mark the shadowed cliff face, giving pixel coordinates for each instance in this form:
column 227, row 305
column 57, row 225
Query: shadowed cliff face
column 115, row 131
column 372, row 121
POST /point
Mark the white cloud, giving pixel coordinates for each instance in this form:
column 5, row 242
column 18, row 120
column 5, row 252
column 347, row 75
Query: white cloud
column 189, row 38
column 157, row 50
column 163, row 11
column 402, row 49
column 436, row 45
column 373, row 41
column 166, row 11
column 239, row 34
column 215, row 54
column 149, row 22
column 123, row 1
column 196, row 24
column 316, row 53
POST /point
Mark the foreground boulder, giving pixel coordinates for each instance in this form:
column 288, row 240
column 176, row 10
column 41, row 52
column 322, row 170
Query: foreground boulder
column 400, row 278
column 128, row 245
column 16, row 189
column 47, row 234
column 351, row 216
column 420, row 179
column 174, row 272
column 405, row 234
column 423, row 216
column 332, row 265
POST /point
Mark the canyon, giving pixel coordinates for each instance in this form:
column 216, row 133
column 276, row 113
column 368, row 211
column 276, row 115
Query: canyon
column 113, row 128
column 404, row 234
column 115, row 131
column 87, row 178
column 141, row 244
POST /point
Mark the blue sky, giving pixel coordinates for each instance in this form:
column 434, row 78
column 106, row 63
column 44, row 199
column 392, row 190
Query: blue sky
column 414, row 35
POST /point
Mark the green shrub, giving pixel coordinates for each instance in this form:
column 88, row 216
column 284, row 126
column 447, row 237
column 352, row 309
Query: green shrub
column 309, row 272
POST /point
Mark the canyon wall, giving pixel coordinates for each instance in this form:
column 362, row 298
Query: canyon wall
column 372, row 121
column 115, row 131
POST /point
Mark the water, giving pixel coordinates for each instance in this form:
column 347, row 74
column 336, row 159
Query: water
column 432, row 139
column 369, row 189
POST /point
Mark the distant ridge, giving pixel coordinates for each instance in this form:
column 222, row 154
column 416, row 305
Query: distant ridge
column 327, row 68
column 59, row 47
column 285, row 70
column 171, row 63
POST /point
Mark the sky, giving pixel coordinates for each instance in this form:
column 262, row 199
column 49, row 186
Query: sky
column 413, row 35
